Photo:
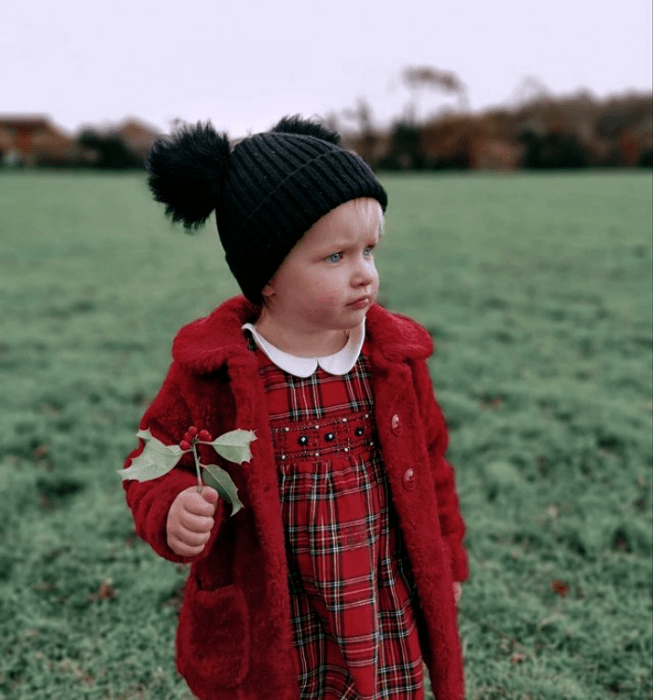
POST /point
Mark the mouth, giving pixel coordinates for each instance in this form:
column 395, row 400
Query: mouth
column 360, row 302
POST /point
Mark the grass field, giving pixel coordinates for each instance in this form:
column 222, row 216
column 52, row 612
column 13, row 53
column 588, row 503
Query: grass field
column 537, row 289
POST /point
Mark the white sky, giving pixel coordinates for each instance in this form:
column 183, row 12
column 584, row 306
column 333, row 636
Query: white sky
column 244, row 64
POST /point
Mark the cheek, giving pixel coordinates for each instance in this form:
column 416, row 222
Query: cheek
column 326, row 295
column 324, row 298
column 374, row 272
column 330, row 280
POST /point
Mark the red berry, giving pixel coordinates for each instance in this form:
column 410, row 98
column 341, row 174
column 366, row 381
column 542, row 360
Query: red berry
column 204, row 435
column 185, row 445
column 192, row 431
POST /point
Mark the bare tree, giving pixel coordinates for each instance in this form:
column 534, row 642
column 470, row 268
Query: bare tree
column 367, row 135
column 417, row 78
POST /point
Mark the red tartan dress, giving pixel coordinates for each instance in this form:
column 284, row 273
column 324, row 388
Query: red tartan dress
column 351, row 587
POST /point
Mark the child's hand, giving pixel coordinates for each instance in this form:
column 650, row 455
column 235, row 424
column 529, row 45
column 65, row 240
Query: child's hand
column 457, row 591
column 190, row 520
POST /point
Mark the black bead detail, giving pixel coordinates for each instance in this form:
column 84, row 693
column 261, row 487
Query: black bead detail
column 303, row 440
column 329, row 437
column 359, row 431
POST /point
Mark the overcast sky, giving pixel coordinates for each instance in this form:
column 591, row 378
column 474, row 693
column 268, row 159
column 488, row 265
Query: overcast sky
column 244, row 64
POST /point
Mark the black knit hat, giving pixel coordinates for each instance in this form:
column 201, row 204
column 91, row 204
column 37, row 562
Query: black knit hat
column 266, row 193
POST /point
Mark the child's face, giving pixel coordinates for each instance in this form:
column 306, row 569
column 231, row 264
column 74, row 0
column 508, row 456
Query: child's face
column 330, row 267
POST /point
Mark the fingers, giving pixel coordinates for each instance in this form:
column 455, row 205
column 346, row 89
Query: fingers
column 190, row 521
column 198, row 504
column 195, row 523
column 183, row 549
column 192, row 539
column 187, row 542
column 210, row 495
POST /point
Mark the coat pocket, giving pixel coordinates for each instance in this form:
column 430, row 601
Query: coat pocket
column 213, row 635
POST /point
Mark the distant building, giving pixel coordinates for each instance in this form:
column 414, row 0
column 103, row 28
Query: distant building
column 33, row 140
column 137, row 136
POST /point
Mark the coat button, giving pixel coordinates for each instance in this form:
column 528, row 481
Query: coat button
column 409, row 480
column 359, row 431
column 397, row 427
column 303, row 440
column 329, row 437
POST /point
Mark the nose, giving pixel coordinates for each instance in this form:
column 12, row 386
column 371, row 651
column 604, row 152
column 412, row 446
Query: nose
column 364, row 273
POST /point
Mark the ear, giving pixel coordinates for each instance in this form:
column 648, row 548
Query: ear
column 268, row 290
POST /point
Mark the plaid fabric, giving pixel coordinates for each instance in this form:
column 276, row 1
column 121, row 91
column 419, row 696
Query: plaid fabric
column 351, row 587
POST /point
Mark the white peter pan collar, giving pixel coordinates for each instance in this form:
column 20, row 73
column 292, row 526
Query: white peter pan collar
column 339, row 363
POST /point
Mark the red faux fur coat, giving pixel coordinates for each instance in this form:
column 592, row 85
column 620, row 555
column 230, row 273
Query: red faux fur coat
column 234, row 640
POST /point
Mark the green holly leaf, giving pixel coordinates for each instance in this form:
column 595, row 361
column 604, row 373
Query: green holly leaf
column 221, row 481
column 155, row 460
column 234, row 445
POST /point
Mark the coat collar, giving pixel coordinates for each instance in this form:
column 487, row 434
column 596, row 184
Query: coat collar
column 207, row 344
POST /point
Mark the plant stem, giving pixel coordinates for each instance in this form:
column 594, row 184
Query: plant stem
column 197, row 467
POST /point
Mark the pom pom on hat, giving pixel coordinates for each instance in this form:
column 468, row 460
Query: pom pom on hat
column 305, row 127
column 186, row 172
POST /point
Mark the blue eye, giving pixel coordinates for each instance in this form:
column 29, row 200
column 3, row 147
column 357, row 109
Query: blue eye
column 335, row 255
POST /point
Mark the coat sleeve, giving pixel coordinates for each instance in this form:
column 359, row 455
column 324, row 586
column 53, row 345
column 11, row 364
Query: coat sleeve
column 167, row 418
column 451, row 522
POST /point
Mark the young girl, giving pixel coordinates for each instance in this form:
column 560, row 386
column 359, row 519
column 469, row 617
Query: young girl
column 338, row 579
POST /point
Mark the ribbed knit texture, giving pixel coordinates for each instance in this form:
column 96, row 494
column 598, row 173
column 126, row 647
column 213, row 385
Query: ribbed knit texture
column 276, row 186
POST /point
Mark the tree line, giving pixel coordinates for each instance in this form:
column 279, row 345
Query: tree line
column 535, row 130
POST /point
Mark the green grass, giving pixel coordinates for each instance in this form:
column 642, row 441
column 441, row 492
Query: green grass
column 537, row 289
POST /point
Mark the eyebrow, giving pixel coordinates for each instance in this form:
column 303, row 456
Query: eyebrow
column 344, row 244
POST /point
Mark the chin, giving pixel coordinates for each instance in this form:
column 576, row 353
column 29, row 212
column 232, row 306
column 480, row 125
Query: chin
column 355, row 318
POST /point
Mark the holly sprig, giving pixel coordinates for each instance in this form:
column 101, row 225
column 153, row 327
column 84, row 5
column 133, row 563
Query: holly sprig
column 158, row 459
